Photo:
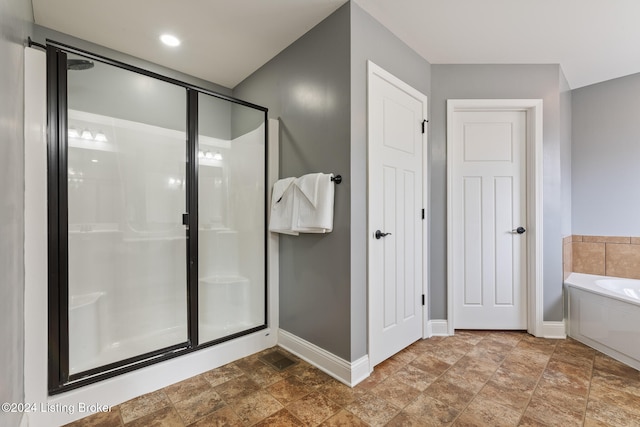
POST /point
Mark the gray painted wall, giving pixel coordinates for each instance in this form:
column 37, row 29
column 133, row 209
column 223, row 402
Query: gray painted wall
column 565, row 153
column 16, row 18
column 500, row 82
column 306, row 86
column 606, row 149
column 114, row 92
column 370, row 41
column 317, row 87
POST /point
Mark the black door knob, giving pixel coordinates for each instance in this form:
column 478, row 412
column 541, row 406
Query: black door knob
column 520, row 230
column 380, row 234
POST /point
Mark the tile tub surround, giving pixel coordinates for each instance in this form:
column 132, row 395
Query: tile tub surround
column 480, row 378
column 617, row 256
column 567, row 256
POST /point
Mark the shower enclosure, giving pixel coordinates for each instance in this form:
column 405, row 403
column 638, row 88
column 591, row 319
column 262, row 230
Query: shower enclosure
column 157, row 236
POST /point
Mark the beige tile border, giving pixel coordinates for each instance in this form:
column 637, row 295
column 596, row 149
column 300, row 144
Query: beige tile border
column 567, row 256
column 602, row 255
column 606, row 239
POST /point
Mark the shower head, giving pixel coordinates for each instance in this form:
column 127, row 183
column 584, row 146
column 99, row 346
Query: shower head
column 79, row 64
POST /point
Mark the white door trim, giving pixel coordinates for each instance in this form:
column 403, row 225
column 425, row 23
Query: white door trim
column 375, row 70
column 533, row 108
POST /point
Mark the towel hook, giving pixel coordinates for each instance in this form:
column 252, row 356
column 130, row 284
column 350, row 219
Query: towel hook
column 337, row 179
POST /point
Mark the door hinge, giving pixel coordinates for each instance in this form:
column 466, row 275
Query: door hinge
column 185, row 219
column 424, row 122
column 422, row 299
column 422, row 213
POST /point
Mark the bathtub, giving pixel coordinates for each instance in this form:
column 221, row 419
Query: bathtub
column 604, row 313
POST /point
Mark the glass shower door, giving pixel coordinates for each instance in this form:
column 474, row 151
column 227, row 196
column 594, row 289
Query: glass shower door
column 231, row 218
column 126, row 196
column 156, row 214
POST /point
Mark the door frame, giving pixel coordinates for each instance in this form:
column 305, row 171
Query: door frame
column 533, row 109
column 375, row 70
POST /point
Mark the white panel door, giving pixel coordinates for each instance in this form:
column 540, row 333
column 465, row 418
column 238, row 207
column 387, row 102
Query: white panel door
column 396, row 113
column 489, row 204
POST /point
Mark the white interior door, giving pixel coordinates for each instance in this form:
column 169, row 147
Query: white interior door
column 395, row 188
column 489, row 204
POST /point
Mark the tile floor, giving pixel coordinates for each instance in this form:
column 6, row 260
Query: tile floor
column 471, row 379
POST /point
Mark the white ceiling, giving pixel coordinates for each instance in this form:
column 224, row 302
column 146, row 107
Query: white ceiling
column 593, row 40
column 224, row 41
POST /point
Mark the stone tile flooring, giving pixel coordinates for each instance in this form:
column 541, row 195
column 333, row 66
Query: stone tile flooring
column 474, row 378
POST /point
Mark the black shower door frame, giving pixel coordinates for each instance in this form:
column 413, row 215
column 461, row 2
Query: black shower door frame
column 59, row 378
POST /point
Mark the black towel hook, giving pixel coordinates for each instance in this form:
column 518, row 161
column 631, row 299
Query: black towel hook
column 337, row 179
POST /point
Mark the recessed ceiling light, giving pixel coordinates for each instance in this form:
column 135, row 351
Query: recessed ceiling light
column 170, row 40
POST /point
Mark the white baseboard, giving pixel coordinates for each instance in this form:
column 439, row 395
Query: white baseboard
column 437, row 328
column 360, row 370
column 349, row 373
column 554, row 330
column 549, row 329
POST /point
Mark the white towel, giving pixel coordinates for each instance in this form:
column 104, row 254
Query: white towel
column 313, row 203
column 282, row 207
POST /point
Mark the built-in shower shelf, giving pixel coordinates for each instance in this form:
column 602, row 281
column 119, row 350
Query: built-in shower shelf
column 153, row 238
column 224, row 280
column 95, row 232
column 78, row 301
column 105, row 227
